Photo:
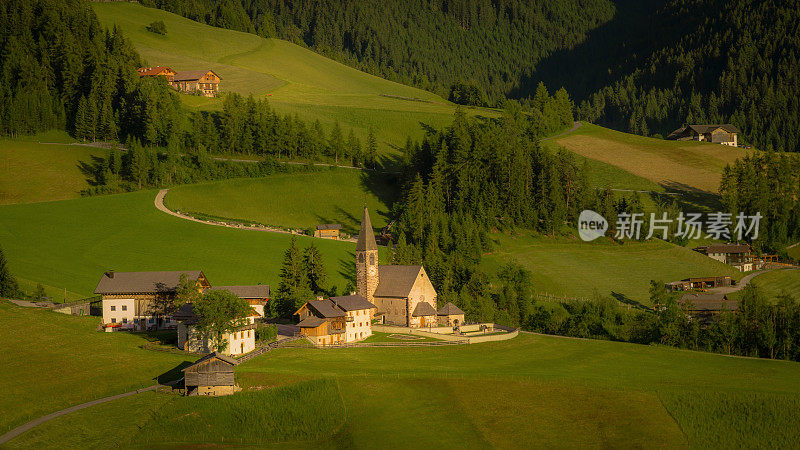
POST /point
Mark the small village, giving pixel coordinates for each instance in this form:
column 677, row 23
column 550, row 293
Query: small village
column 393, row 299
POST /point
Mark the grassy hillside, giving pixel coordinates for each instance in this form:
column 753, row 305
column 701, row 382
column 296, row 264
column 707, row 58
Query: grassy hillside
column 69, row 244
column 530, row 391
column 296, row 80
column 674, row 165
column 779, row 282
column 35, row 172
column 301, row 200
column 574, row 268
column 52, row 361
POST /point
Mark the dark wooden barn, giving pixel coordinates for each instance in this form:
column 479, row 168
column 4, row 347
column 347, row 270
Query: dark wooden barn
column 212, row 374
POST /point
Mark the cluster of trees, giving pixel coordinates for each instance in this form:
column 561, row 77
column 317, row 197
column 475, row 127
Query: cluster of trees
column 142, row 167
column 467, row 94
column 424, row 43
column 59, row 69
column 724, row 66
column 768, row 184
column 303, row 277
column 250, row 126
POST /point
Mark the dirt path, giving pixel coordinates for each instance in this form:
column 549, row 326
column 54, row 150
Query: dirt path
column 36, row 422
column 159, row 203
column 575, row 126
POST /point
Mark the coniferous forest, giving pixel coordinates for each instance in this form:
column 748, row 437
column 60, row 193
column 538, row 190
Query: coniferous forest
column 643, row 67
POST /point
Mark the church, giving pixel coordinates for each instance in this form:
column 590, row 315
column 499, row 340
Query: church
column 403, row 295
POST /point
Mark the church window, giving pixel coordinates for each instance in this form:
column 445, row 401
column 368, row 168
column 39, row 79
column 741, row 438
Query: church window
column 372, row 259
column 361, row 258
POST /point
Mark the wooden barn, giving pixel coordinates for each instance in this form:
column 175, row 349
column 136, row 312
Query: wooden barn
column 328, row 230
column 725, row 134
column 212, row 374
column 205, row 82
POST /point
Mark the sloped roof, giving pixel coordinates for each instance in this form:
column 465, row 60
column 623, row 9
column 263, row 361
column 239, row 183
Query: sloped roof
column 217, row 355
column 325, row 308
column 329, row 226
column 366, row 236
column 396, row 281
column 191, row 75
column 707, row 128
column 728, row 248
column 142, row 282
column 352, row 302
column 311, row 322
column 247, row 292
column 152, row 71
column 423, row 309
column 449, row 309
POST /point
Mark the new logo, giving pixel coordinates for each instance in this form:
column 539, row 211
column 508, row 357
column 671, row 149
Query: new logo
column 591, row 225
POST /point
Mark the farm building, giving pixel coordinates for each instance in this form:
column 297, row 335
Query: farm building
column 212, row 374
column 450, row 315
column 256, row 295
column 699, row 283
column 205, row 82
column 396, row 291
column 129, row 298
column 158, row 71
column 242, row 340
column 328, row 230
column 336, row 320
column 707, row 304
column 736, row 255
column 725, row 134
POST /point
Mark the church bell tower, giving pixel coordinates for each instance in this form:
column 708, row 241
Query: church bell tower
column 366, row 260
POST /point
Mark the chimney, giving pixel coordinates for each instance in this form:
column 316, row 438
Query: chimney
column 110, row 273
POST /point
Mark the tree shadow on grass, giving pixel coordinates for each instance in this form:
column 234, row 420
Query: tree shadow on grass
column 93, row 170
column 689, row 199
column 347, row 268
column 622, row 298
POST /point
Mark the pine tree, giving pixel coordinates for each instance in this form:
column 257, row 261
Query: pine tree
column 312, row 259
column 294, row 289
column 335, row 143
column 8, row 284
column 371, row 156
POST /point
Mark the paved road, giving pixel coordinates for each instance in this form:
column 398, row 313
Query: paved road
column 36, row 422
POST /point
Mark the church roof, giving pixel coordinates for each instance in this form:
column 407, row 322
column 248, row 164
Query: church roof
column 449, row 309
column 424, row 309
column 366, row 237
column 396, row 281
column 352, row 302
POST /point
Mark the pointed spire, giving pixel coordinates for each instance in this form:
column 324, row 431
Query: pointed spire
column 366, row 237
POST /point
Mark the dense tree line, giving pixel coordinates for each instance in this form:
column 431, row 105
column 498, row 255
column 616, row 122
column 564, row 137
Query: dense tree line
column 60, row 69
column 707, row 62
column 249, row 126
column 768, row 184
column 493, row 45
column 303, row 277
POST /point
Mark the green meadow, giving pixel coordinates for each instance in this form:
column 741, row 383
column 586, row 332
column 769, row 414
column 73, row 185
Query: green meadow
column 35, row 172
column 534, row 390
column 69, row 244
column 573, row 268
column 295, row 79
column 777, row 282
column 295, row 200
column 674, row 165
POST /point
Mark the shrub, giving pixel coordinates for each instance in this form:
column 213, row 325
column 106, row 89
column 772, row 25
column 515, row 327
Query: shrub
column 157, row 27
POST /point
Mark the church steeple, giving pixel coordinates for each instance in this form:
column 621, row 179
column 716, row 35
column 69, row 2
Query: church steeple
column 366, row 237
column 366, row 259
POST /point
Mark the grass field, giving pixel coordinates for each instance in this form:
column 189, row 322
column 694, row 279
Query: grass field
column 34, row 172
column 794, row 252
column 301, row 200
column 295, row 79
column 778, row 282
column 69, row 244
column 674, row 165
column 574, row 268
column 531, row 391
